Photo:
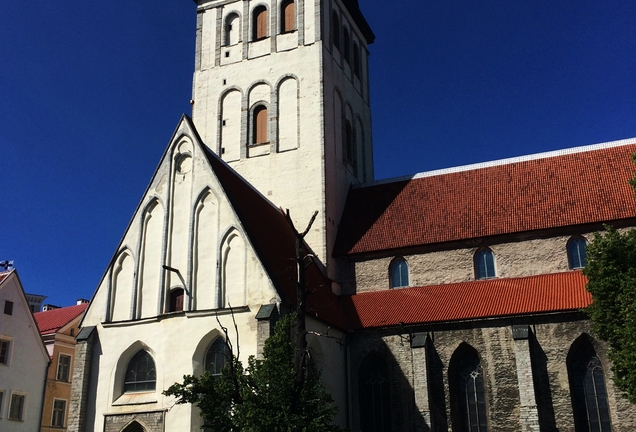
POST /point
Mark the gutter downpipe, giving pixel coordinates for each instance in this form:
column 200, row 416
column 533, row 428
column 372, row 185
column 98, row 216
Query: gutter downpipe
column 46, row 381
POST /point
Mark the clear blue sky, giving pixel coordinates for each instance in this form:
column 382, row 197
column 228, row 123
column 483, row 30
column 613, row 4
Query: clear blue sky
column 90, row 93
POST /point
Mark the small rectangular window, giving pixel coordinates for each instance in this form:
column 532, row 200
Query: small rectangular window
column 4, row 352
column 8, row 307
column 63, row 368
column 16, row 410
column 59, row 413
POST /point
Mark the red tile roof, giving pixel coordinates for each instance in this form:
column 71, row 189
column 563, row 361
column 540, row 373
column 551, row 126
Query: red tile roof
column 53, row 320
column 469, row 300
column 3, row 275
column 551, row 192
column 274, row 242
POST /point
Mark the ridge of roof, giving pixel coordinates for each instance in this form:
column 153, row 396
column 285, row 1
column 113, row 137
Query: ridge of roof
column 498, row 162
column 482, row 299
column 582, row 186
column 52, row 320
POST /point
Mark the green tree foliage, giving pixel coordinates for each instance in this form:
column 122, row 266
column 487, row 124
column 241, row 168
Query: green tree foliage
column 262, row 397
column 611, row 271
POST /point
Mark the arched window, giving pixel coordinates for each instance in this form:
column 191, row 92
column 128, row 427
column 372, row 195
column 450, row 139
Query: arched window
column 259, row 23
column 335, row 30
column 140, row 373
column 346, row 39
column 484, row 264
column 287, row 16
column 134, row 427
column 399, row 270
column 259, row 123
column 356, row 60
column 217, row 357
column 373, row 389
column 176, row 300
column 232, row 29
column 468, row 398
column 576, row 252
column 587, row 387
column 349, row 143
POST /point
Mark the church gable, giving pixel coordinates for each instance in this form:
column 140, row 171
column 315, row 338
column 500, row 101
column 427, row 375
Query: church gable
column 184, row 249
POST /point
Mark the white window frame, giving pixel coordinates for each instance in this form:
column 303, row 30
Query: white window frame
column 9, row 340
column 24, row 405
column 63, row 413
column 70, row 367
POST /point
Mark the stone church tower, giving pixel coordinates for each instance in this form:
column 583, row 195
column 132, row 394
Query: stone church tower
column 281, row 93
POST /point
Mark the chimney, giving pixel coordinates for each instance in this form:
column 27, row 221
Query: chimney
column 48, row 307
column 81, row 301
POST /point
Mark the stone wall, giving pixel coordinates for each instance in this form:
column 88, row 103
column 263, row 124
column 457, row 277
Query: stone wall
column 525, row 377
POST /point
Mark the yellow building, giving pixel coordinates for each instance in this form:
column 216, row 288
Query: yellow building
column 58, row 327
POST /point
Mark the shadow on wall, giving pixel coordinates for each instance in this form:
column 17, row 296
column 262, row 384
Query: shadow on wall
column 542, row 391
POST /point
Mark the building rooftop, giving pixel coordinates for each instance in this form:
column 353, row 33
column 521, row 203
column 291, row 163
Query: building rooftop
column 53, row 320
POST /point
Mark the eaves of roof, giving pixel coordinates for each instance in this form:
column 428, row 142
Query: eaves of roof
column 52, row 320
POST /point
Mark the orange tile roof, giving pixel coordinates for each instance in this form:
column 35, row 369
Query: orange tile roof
column 550, row 192
column 52, row 320
column 4, row 275
column 469, row 300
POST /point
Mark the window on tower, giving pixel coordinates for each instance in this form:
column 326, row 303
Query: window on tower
column 335, row 30
column 350, row 151
column 356, row 60
column 288, row 16
column 346, row 39
column 232, row 29
column 259, row 123
column 259, row 23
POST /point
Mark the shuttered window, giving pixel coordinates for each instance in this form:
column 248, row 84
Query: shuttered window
column 260, row 125
column 259, row 29
column 288, row 16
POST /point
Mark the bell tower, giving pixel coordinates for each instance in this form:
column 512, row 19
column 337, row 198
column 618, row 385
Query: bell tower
column 281, row 93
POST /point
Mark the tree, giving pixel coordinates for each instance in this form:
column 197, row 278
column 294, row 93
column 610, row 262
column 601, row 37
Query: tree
column 261, row 398
column 611, row 273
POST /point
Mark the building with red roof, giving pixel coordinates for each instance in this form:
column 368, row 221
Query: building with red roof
column 58, row 327
column 448, row 300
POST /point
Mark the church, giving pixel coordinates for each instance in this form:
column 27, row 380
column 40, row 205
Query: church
column 452, row 299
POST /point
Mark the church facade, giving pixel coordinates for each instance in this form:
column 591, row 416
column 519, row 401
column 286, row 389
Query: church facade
column 452, row 299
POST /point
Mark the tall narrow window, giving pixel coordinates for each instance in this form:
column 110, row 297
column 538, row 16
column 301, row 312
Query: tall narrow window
column 63, row 368
column 217, row 357
column 176, row 300
column 356, row 60
column 259, row 23
column 576, row 253
column 59, row 413
column 373, row 388
column 4, row 351
column 349, row 143
column 587, row 387
column 484, row 264
column 468, row 397
column 16, row 410
column 399, row 270
column 140, row 373
column 1, row 401
column 335, row 30
column 231, row 29
column 260, row 119
column 346, row 39
column 288, row 16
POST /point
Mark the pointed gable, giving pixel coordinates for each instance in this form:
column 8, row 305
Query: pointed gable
column 53, row 320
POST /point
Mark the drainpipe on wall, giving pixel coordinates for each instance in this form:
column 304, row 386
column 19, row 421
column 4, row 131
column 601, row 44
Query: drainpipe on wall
column 46, row 379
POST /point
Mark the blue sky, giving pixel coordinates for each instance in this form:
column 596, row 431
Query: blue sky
column 90, row 93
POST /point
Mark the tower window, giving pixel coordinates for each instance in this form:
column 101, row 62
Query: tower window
column 232, row 29
column 484, row 264
column 259, row 132
column 356, row 60
column 176, row 300
column 141, row 374
column 335, row 30
column 259, row 23
column 346, row 39
column 399, row 270
column 576, row 253
column 288, row 16
column 349, row 143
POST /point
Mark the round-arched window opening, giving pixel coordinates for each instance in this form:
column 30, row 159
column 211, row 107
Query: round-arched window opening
column 577, row 256
column 399, row 273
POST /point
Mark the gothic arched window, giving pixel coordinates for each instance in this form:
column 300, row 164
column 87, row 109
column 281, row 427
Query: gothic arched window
column 335, row 30
column 259, row 129
column 287, row 16
column 576, row 253
column 373, row 388
column 217, row 357
column 587, row 388
column 134, row 427
column 176, row 300
column 399, row 270
column 232, row 29
column 484, row 264
column 259, row 23
column 468, row 396
column 141, row 374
